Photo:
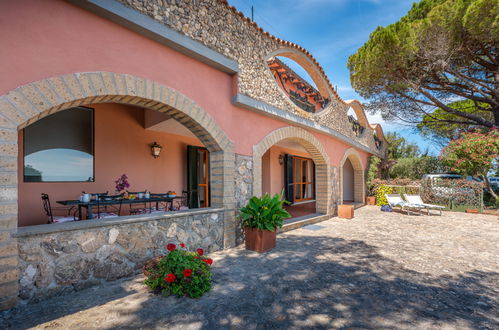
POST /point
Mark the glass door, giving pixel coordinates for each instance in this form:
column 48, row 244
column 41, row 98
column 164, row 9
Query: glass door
column 303, row 179
column 299, row 176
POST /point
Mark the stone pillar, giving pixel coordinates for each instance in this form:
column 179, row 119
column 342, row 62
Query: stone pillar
column 243, row 177
column 9, row 272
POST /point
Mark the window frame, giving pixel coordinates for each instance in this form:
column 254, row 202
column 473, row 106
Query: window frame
column 92, row 124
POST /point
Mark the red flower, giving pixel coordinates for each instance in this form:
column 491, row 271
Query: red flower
column 187, row 272
column 182, row 245
column 196, row 257
column 209, row 261
column 170, row 278
column 170, row 247
column 200, row 251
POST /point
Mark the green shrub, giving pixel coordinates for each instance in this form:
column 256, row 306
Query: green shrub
column 264, row 213
column 180, row 272
column 380, row 194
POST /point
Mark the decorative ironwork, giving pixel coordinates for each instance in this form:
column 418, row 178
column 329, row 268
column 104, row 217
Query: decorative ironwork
column 356, row 126
column 377, row 142
column 303, row 91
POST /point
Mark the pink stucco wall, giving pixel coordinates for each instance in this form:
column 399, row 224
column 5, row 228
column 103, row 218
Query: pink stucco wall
column 121, row 146
column 62, row 38
column 42, row 39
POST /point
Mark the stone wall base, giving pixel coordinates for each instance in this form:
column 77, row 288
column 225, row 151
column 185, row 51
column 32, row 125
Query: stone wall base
column 62, row 261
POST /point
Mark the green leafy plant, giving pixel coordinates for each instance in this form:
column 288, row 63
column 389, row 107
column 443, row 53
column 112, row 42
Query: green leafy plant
column 264, row 213
column 380, row 194
column 474, row 153
column 179, row 272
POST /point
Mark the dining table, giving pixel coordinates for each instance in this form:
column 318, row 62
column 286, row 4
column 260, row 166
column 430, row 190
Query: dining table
column 103, row 201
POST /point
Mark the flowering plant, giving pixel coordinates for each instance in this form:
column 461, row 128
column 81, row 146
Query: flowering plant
column 122, row 183
column 179, row 272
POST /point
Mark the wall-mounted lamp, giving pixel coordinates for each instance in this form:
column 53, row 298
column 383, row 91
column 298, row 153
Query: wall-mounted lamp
column 156, row 149
column 281, row 159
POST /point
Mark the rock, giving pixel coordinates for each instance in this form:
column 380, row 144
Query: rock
column 113, row 235
column 28, row 276
column 115, row 266
column 71, row 269
column 90, row 241
column 172, row 231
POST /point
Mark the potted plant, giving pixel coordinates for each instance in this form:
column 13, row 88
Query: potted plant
column 261, row 219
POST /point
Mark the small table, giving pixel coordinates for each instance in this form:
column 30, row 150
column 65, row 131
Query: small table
column 88, row 205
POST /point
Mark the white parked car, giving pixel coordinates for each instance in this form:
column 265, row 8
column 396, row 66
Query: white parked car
column 440, row 191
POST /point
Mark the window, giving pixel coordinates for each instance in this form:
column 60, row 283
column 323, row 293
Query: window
column 60, row 148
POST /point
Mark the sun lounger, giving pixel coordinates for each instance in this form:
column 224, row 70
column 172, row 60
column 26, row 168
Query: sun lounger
column 416, row 199
column 394, row 200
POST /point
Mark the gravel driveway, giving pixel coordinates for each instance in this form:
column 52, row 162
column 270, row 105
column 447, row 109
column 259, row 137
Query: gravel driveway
column 379, row 270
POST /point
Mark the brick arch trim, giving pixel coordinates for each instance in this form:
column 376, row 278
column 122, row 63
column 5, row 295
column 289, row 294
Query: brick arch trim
column 359, row 112
column 317, row 152
column 359, row 187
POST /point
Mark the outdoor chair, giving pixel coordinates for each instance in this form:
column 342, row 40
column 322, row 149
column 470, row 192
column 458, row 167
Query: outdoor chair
column 161, row 206
column 394, row 200
column 138, row 208
column 104, row 211
column 183, row 202
column 416, row 199
column 69, row 213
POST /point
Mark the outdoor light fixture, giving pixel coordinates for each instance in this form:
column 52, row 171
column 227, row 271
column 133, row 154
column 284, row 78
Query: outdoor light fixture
column 156, row 149
column 281, row 159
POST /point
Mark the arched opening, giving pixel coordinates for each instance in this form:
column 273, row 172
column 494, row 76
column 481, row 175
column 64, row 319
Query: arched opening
column 358, row 125
column 288, row 168
column 300, row 80
column 352, row 189
column 292, row 160
column 88, row 149
column 348, row 182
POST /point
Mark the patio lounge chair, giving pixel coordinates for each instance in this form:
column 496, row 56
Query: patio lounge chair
column 396, row 201
column 416, row 199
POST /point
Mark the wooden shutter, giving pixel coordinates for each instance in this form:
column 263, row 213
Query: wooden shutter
column 192, row 176
column 288, row 178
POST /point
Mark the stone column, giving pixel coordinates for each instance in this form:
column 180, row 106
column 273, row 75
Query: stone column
column 8, row 216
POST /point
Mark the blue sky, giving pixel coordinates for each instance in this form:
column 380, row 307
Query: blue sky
column 332, row 30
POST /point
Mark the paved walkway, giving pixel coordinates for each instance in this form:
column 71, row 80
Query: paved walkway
column 379, row 270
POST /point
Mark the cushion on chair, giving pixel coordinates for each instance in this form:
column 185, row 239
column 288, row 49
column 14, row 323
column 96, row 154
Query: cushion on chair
column 63, row 219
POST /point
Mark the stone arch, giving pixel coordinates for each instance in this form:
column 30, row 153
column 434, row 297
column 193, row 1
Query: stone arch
column 359, row 112
column 359, row 188
column 313, row 146
column 379, row 131
column 312, row 68
column 31, row 102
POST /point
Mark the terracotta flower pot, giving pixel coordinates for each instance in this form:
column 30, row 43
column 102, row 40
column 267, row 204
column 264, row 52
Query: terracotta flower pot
column 471, row 211
column 259, row 240
column 371, row 200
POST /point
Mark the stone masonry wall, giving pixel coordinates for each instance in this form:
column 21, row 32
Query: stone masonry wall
column 215, row 25
column 243, row 176
column 60, row 262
